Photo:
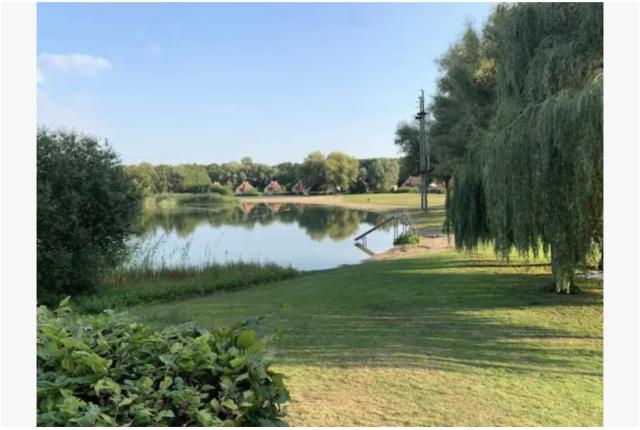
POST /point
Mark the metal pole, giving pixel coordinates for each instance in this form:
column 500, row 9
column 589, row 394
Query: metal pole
column 423, row 154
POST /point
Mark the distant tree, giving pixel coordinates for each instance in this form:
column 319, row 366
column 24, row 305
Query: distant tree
column 215, row 172
column 408, row 140
column 86, row 208
column 143, row 177
column 258, row 174
column 232, row 174
column 167, row 179
column 312, row 171
column 287, row 174
column 192, row 178
column 382, row 174
column 340, row 170
column 360, row 185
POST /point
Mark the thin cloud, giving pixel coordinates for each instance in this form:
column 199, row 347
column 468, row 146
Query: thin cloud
column 73, row 63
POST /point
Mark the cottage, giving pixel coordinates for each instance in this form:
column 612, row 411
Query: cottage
column 244, row 188
column 298, row 188
column 273, row 187
column 412, row 181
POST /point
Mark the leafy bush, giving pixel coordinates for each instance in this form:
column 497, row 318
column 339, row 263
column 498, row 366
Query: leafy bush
column 86, row 209
column 107, row 371
column 407, row 239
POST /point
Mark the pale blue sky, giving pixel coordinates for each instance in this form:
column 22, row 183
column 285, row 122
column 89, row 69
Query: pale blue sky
column 176, row 83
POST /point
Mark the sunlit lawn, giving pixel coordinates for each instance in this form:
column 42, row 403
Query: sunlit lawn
column 446, row 339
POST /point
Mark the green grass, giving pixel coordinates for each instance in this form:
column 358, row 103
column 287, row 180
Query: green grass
column 410, row 201
column 445, row 339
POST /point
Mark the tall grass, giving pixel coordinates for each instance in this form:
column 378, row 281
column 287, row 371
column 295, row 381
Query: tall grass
column 149, row 277
column 165, row 284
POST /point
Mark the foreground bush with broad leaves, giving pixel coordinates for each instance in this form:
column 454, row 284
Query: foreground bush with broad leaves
column 108, row 371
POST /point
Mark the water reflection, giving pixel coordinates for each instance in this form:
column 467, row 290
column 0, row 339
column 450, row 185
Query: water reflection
column 318, row 221
column 304, row 236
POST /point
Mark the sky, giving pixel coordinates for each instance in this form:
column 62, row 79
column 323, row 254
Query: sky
column 210, row 83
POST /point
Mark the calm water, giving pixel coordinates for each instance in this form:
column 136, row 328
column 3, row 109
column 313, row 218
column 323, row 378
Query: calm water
column 304, row 236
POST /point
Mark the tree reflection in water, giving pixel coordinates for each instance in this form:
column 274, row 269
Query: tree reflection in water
column 319, row 222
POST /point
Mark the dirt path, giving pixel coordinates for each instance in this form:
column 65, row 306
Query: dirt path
column 319, row 200
column 427, row 245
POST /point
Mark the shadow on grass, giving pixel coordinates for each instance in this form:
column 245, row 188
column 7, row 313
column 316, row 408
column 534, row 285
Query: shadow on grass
column 409, row 313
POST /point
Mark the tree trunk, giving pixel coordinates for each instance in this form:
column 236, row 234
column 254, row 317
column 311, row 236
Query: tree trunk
column 601, row 263
column 446, row 205
column 562, row 275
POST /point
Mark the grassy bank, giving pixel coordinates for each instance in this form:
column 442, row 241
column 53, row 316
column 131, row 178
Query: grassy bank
column 446, row 339
column 148, row 285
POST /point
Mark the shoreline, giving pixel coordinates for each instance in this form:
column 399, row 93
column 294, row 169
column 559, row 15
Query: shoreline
column 429, row 243
column 330, row 200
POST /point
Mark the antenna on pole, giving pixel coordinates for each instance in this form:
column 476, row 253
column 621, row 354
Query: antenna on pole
column 424, row 154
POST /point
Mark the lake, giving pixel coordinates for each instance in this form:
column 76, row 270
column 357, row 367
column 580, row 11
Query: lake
column 305, row 237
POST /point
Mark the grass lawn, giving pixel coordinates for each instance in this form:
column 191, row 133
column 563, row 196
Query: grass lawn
column 411, row 201
column 445, row 339
column 408, row 200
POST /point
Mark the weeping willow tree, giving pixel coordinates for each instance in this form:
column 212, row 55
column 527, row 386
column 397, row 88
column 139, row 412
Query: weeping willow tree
column 534, row 180
column 461, row 108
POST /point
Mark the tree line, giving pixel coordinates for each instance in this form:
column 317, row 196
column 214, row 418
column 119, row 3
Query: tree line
column 516, row 132
column 334, row 172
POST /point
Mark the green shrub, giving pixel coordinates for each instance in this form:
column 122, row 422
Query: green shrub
column 108, row 371
column 407, row 239
column 86, row 207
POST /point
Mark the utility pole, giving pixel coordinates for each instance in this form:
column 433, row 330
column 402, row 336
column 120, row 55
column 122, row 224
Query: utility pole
column 424, row 155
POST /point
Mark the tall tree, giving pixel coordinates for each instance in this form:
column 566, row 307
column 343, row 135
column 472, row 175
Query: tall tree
column 193, row 178
column 340, row 170
column 312, row 171
column 287, row 174
column 167, row 179
column 534, row 181
column 143, row 176
column 382, row 174
column 408, row 140
column 461, row 108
